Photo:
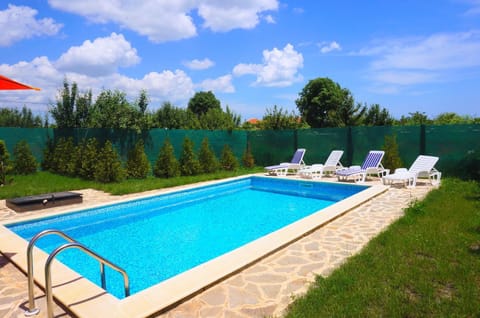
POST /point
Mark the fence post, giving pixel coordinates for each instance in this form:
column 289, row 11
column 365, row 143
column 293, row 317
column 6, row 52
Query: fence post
column 349, row 146
column 423, row 144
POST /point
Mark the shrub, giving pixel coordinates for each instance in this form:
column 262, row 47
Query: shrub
column 391, row 160
column 137, row 165
column 189, row 164
column 247, row 158
column 109, row 167
column 48, row 153
column 63, row 161
column 206, row 157
column 24, row 162
column 167, row 165
column 5, row 164
column 228, row 160
column 89, row 159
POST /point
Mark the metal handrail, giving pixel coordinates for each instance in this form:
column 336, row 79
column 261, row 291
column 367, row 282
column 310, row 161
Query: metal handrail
column 103, row 261
column 32, row 310
column 73, row 243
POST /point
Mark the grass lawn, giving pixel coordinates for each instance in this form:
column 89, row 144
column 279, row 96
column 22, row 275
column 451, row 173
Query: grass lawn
column 427, row 264
column 45, row 182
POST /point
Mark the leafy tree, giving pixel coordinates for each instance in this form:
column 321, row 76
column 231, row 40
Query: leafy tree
column 228, row 161
column 247, row 158
column 201, row 102
column 206, row 157
column 347, row 114
column 376, row 116
column 5, row 164
column 318, row 102
column 416, row 118
column 11, row 117
column 277, row 118
column 392, row 159
column 109, row 167
column 137, row 165
column 452, row 118
column 171, row 117
column 112, row 110
column 88, row 159
column 189, row 164
column 24, row 162
column 72, row 109
column 216, row 119
column 167, row 165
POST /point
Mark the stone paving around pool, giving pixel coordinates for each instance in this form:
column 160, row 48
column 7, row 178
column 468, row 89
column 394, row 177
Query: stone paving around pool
column 263, row 289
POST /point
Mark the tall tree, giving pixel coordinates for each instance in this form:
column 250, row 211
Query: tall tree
column 348, row 114
column 277, row 118
column 112, row 110
column 201, row 102
column 63, row 110
column 416, row 118
column 376, row 116
column 318, row 102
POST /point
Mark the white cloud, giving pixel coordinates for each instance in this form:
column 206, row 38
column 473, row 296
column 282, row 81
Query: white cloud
column 199, row 64
column 101, row 57
column 420, row 60
column 18, row 23
column 222, row 84
column 221, row 15
column 162, row 20
column 329, row 47
column 475, row 7
column 279, row 67
column 270, row 19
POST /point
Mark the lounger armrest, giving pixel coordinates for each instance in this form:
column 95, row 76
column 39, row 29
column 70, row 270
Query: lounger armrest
column 285, row 163
column 401, row 170
column 355, row 167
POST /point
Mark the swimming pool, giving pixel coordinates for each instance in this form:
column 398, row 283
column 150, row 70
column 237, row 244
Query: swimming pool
column 159, row 237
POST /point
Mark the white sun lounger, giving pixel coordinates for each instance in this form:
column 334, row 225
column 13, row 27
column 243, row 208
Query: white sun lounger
column 422, row 167
column 371, row 165
column 331, row 165
column 295, row 164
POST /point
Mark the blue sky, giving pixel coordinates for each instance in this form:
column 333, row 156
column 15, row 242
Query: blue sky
column 405, row 55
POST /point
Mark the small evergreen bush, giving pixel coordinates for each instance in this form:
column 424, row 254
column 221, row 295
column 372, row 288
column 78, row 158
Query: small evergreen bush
column 167, row 165
column 228, row 160
column 5, row 163
column 392, row 159
column 89, row 159
column 48, row 155
column 63, row 160
column 109, row 167
column 24, row 162
column 206, row 157
column 189, row 165
column 137, row 165
column 247, row 158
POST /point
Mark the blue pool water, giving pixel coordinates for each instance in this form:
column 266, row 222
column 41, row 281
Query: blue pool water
column 156, row 238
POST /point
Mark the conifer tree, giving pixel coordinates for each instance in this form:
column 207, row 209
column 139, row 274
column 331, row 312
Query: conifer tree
column 206, row 157
column 137, row 165
column 228, row 160
column 109, row 167
column 189, row 164
column 247, row 159
column 167, row 165
column 392, row 159
column 89, row 159
column 24, row 162
column 5, row 164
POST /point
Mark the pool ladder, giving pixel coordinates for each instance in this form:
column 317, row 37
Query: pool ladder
column 32, row 310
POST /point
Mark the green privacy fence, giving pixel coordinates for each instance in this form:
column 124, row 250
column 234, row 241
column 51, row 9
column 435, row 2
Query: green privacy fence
column 458, row 146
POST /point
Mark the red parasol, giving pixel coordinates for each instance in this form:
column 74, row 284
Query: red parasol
column 9, row 84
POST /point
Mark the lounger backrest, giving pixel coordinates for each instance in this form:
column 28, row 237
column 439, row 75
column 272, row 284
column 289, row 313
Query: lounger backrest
column 373, row 159
column 298, row 156
column 423, row 163
column 334, row 158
